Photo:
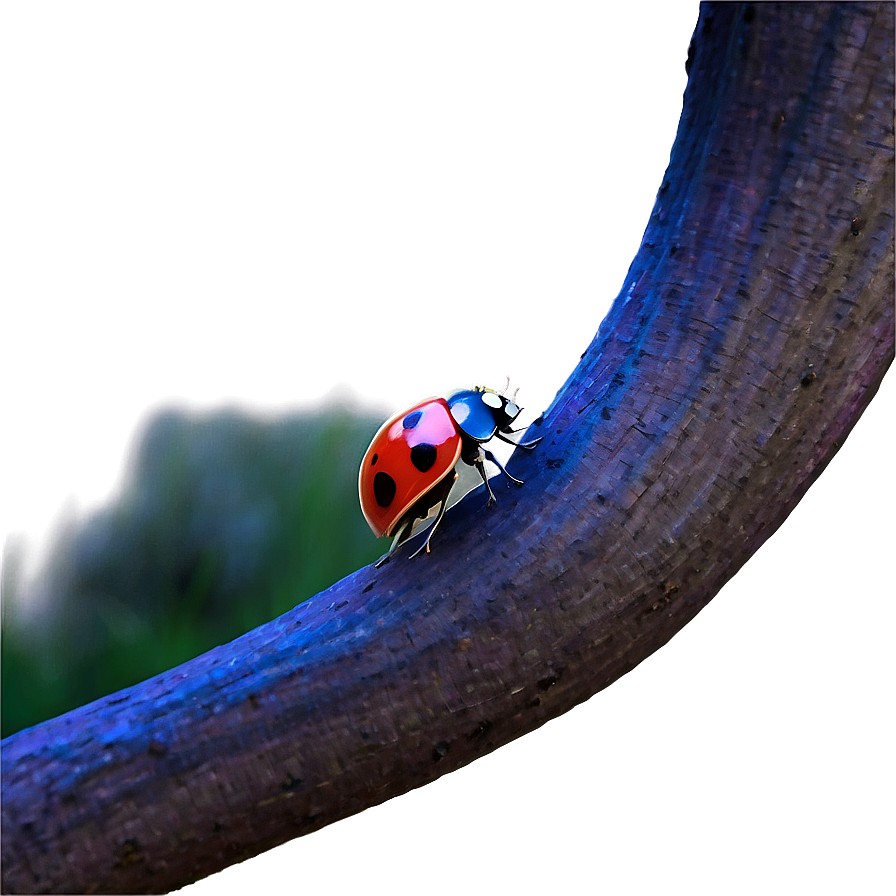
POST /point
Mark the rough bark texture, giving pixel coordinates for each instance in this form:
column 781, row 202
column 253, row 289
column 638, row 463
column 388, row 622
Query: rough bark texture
column 754, row 326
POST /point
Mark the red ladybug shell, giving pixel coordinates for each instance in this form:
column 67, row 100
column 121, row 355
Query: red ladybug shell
column 410, row 453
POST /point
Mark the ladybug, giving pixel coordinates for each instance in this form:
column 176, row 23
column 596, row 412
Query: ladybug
column 409, row 467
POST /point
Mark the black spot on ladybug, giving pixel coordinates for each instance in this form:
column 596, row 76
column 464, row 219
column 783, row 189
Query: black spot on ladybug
column 374, row 459
column 384, row 489
column 423, row 456
column 412, row 420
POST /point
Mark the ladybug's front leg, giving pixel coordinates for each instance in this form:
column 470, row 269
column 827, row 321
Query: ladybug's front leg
column 497, row 463
column 527, row 445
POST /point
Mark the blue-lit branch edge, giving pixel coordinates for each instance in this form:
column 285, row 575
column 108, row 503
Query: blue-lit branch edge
column 754, row 326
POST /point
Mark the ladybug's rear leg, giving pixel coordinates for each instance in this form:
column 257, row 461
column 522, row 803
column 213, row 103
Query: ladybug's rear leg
column 402, row 535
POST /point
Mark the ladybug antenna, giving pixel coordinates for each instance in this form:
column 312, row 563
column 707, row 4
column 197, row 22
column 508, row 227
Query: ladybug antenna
column 506, row 384
column 513, row 397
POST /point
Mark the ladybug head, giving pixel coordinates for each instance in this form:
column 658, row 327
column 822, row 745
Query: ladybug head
column 504, row 409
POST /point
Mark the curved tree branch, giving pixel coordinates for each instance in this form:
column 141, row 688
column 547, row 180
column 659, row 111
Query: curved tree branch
column 754, row 326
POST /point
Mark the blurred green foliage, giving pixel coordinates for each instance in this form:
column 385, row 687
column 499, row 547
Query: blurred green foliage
column 224, row 522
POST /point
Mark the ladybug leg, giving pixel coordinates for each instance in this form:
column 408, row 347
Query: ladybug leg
column 402, row 535
column 527, row 445
column 432, row 528
column 497, row 463
column 480, row 468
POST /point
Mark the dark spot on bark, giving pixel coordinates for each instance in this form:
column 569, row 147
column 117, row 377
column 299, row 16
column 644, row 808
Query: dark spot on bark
column 749, row 13
column 234, row 850
column 807, row 377
column 600, row 498
column 856, row 225
column 157, row 748
column 128, row 853
column 217, row 827
column 606, row 414
column 439, row 750
column 480, row 730
column 552, row 463
column 291, row 783
column 533, row 703
column 367, row 588
column 538, row 420
column 547, row 682
column 340, row 605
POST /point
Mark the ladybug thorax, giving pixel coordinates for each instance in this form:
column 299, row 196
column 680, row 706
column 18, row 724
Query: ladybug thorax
column 480, row 413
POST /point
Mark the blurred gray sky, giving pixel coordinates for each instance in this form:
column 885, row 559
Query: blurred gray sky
column 208, row 204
